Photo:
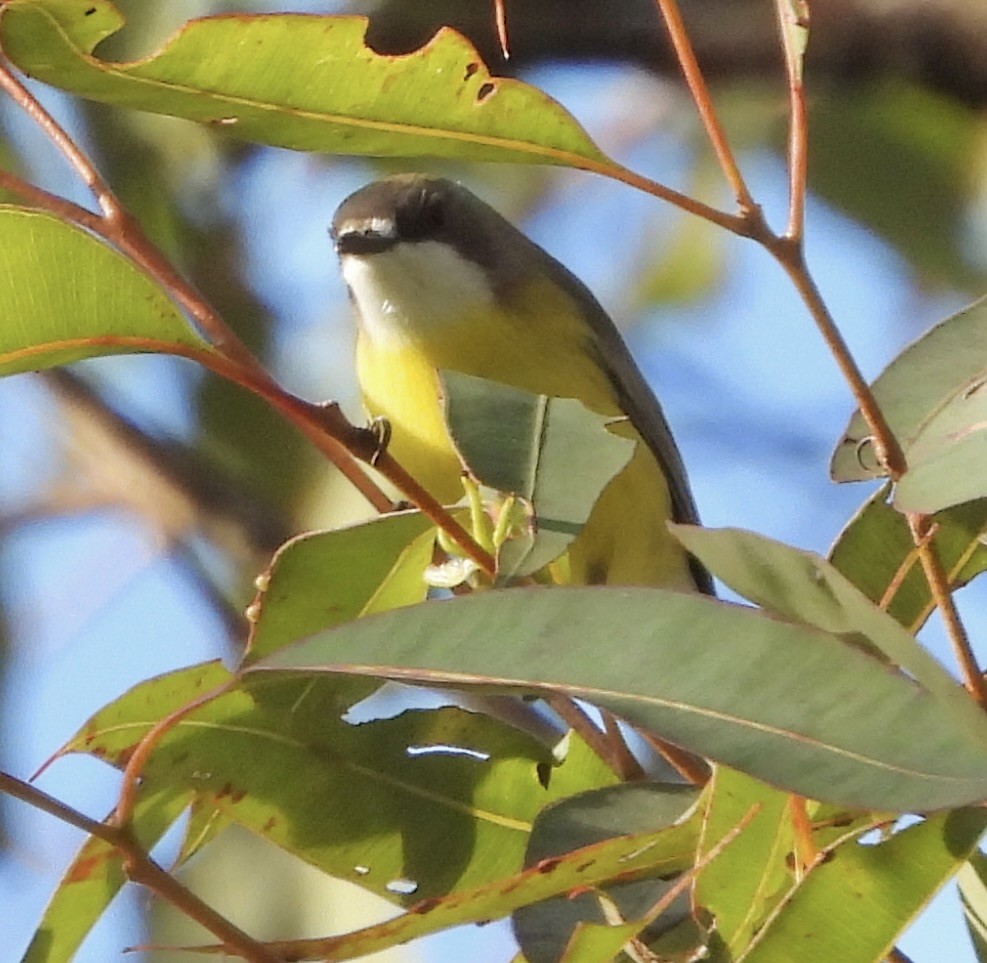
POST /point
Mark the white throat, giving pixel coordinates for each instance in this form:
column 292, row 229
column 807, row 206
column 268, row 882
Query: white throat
column 406, row 293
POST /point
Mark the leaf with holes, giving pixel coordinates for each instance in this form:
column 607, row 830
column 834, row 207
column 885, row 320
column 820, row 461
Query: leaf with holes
column 305, row 82
column 320, row 579
column 409, row 807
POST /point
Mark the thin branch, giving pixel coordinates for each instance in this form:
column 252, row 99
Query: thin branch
column 78, row 161
column 789, row 24
column 923, row 534
column 630, row 768
column 690, row 767
column 897, row 956
column 143, row 870
column 572, row 714
column 790, row 256
column 39, row 799
column 59, row 206
column 700, row 94
column 739, row 224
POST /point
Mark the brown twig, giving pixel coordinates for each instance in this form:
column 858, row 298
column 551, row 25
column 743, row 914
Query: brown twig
column 140, row 868
column 739, row 224
column 569, row 711
column 790, row 256
column 923, row 534
column 690, row 767
column 700, row 94
column 897, row 956
column 630, row 768
column 788, row 251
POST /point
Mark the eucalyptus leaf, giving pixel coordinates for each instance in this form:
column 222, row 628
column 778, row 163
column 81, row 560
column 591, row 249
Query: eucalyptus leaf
column 972, row 882
column 553, row 452
column 543, row 930
column 942, row 364
column 304, row 82
column 65, row 295
column 794, row 705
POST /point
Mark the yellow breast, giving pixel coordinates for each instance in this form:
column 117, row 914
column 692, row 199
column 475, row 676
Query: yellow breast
column 538, row 344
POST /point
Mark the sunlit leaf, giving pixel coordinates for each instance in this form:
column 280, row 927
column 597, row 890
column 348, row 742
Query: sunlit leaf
column 64, row 296
column 665, row 851
column 742, row 884
column 972, row 882
column 304, row 82
column 874, row 890
column 320, row 579
column 409, row 807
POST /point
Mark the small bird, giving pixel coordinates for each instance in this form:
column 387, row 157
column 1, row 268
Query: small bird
column 440, row 281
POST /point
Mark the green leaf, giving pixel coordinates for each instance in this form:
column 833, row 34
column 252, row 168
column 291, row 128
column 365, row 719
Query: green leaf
column 64, row 296
column 803, row 587
column 320, row 579
column 442, row 800
column 94, row 878
column 744, row 885
column 795, row 706
column 656, row 853
column 595, row 943
column 946, row 460
column 552, row 452
column 876, row 547
column 543, row 929
column 303, row 82
column 741, row 885
column 972, row 882
column 874, row 891
column 940, row 366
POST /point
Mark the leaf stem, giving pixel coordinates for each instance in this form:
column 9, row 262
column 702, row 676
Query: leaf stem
column 798, row 129
column 134, row 769
column 923, row 531
column 789, row 254
column 700, row 94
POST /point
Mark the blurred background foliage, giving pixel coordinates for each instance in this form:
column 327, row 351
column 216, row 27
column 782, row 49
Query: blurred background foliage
column 139, row 503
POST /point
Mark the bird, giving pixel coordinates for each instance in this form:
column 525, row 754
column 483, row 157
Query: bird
column 439, row 280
